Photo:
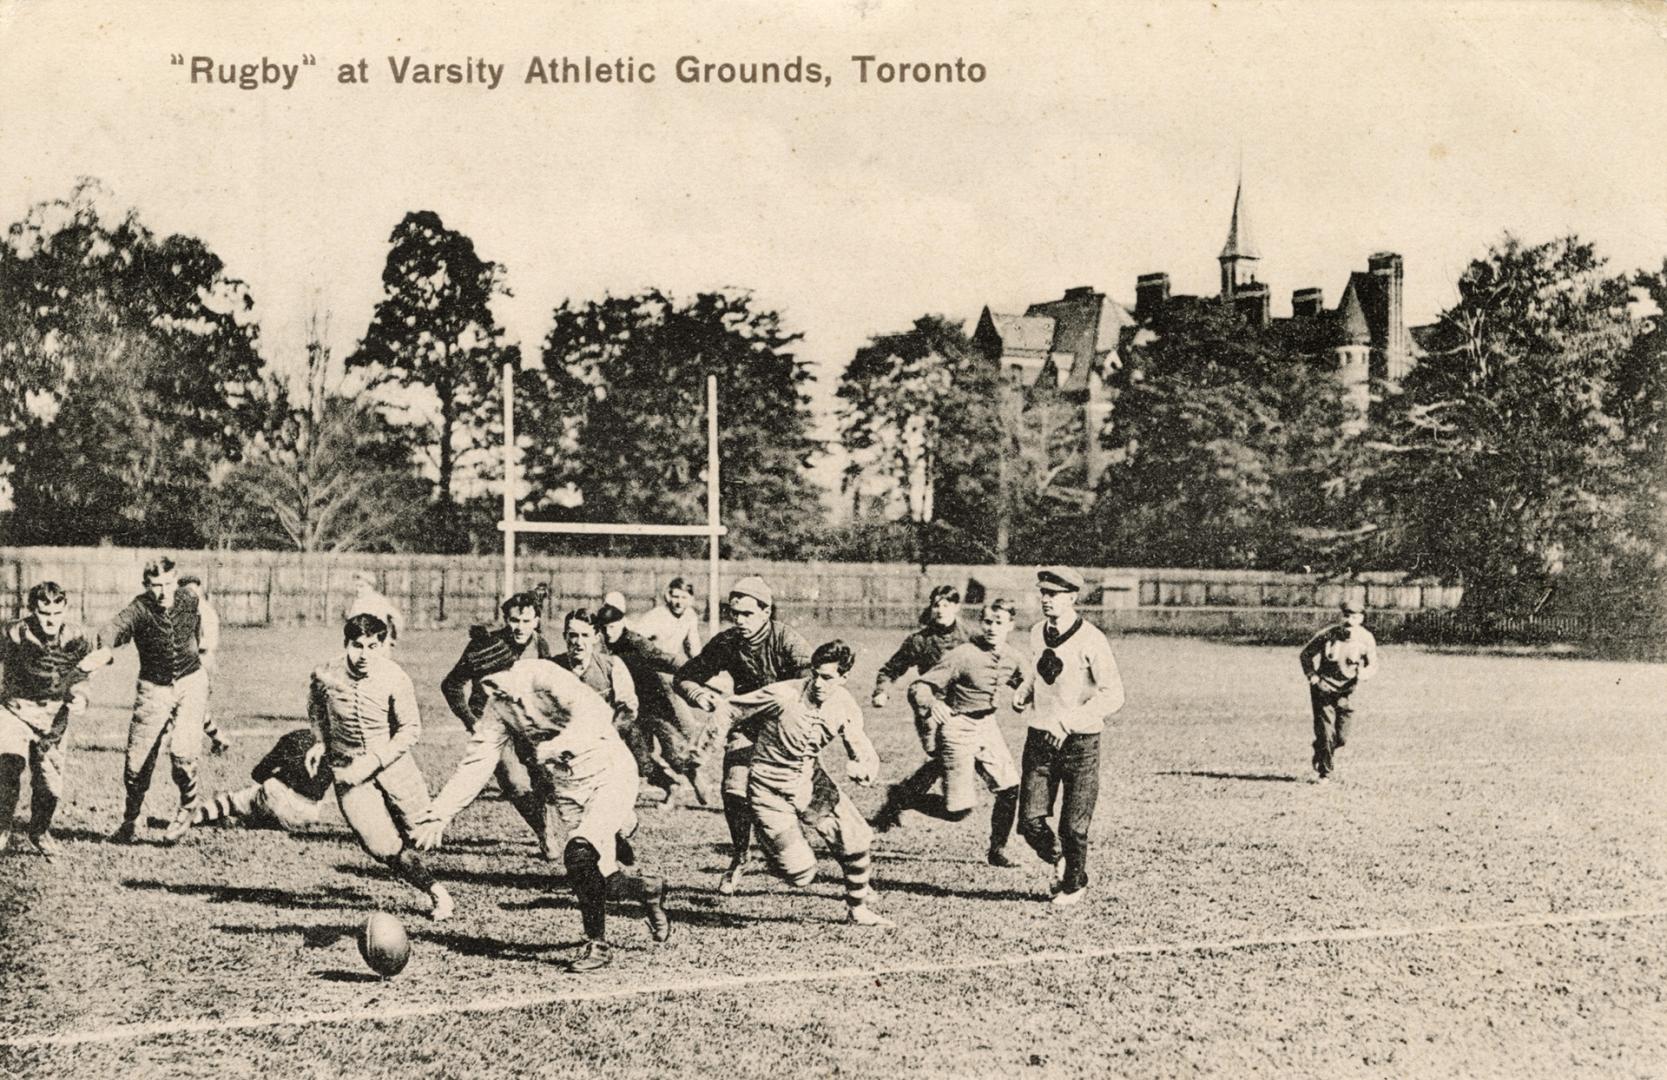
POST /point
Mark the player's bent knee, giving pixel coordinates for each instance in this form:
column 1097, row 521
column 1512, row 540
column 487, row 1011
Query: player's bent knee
column 580, row 857
column 958, row 815
column 799, row 879
column 1034, row 828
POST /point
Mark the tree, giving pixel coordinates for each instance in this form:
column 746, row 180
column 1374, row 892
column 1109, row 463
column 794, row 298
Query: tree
column 128, row 374
column 919, row 414
column 434, row 329
column 329, row 473
column 613, row 425
column 1229, row 447
column 1508, row 465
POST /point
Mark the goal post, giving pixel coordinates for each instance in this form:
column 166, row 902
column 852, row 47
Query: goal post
column 512, row 525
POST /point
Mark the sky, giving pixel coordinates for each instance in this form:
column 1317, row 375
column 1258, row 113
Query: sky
column 1103, row 142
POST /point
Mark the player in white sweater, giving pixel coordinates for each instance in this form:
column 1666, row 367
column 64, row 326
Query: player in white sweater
column 1074, row 686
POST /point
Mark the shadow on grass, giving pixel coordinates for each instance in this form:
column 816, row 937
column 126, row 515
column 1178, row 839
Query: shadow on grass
column 313, row 937
column 1278, row 778
column 503, row 879
column 349, row 976
column 926, row 888
column 328, row 896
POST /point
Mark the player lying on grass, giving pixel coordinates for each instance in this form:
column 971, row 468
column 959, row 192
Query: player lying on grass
column 1336, row 661
column 39, row 693
column 290, row 783
column 789, row 793
column 490, row 651
column 955, row 713
column 940, row 631
column 650, row 668
column 755, row 652
column 593, row 780
column 363, row 711
column 609, row 676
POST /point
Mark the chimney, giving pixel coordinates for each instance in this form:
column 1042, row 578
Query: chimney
column 1080, row 292
column 1385, row 267
column 1308, row 303
column 1254, row 302
column 1151, row 293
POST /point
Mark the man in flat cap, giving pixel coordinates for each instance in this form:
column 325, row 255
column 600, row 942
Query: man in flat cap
column 755, row 652
column 1335, row 661
column 1072, row 682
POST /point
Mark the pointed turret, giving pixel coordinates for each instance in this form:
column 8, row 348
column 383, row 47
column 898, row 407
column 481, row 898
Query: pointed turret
column 1240, row 254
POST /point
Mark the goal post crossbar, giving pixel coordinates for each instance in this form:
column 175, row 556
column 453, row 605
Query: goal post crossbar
column 511, row 525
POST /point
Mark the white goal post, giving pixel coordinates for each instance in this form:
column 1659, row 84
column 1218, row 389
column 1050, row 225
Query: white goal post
column 512, row 525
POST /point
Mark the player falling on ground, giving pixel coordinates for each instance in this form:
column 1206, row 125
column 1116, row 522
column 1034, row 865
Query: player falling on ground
column 491, row 650
column 208, row 648
column 593, row 779
column 363, row 711
column 290, row 783
column 794, row 720
column 955, row 706
column 165, row 627
column 602, row 671
column 1336, row 661
column 1074, row 685
column 39, row 691
column 651, row 670
column 754, row 653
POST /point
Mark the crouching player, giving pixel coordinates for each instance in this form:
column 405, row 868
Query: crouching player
column 593, row 779
column 788, row 793
column 955, row 707
column 41, row 655
column 364, row 715
column 290, row 783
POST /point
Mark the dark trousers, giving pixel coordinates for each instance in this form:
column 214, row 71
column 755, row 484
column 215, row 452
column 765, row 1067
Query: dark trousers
column 1074, row 767
column 1331, row 725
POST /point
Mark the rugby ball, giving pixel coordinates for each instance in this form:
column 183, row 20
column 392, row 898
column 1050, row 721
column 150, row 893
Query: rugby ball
column 383, row 944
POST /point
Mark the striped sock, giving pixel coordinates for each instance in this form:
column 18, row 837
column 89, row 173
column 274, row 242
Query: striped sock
column 217, row 808
column 858, row 868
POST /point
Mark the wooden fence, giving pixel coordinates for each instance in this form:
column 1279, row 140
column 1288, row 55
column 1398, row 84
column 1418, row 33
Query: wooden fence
column 264, row 588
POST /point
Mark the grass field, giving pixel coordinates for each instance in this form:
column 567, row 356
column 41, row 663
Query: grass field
column 1484, row 893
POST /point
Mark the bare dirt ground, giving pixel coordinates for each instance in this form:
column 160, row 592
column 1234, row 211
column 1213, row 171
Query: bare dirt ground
column 1483, row 893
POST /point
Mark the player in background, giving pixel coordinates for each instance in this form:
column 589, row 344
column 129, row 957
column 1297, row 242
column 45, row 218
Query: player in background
column 955, row 707
column 165, row 626
column 940, row 631
column 651, row 669
column 673, row 624
column 208, row 648
column 40, row 690
column 602, row 671
column 755, row 652
column 1335, row 662
column 789, row 793
column 594, row 780
column 1074, row 685
column 363, row 711
column 491, row 650
column 367, row 601
column 290, row 783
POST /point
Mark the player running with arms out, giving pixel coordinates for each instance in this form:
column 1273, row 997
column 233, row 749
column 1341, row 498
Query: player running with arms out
column 165, row 627
column 955, row 707
column 363, row 711
column 789, row 793
column 593, row 779
column 490, row 651
column 1335, row 662
column 290, row 783
column 39, row 691
column 1074, row 686
column 754, row 653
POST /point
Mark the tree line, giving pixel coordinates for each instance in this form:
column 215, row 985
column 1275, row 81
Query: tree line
column 1522, row 456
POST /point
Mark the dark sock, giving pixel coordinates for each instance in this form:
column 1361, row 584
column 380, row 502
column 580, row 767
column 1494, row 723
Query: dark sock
column 1002, row 816
column 738, row 814
column 11, row 784
column 590, row 888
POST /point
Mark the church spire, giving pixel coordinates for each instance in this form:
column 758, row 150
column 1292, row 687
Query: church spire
column 1240, row 249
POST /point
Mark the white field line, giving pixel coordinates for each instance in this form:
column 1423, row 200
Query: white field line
column 513, row 1002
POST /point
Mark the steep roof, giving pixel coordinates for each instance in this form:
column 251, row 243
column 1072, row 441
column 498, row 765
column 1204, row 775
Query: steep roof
column 1352, row 327
column 1024, row 333
column 1241, row 244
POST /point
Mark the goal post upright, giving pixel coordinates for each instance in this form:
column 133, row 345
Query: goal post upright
column 713, row 529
